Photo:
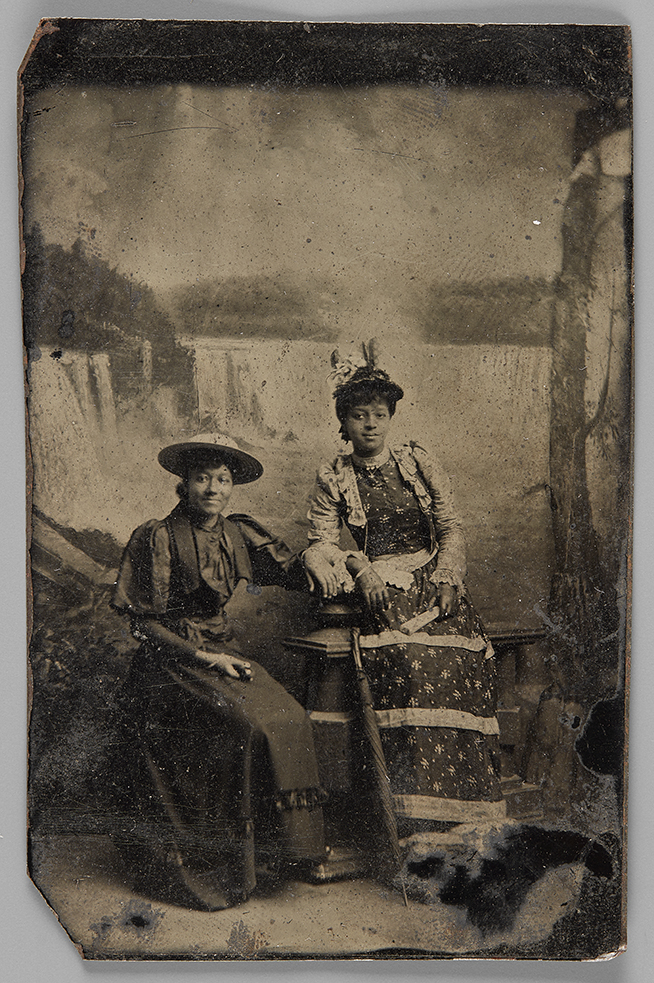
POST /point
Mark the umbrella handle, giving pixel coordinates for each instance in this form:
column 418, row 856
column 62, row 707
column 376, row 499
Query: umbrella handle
column 364, row 686
column 356, row 649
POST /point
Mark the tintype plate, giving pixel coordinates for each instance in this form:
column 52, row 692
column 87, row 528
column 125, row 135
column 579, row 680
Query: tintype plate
column 209, row 211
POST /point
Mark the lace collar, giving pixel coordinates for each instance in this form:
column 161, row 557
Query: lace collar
column 372, row 462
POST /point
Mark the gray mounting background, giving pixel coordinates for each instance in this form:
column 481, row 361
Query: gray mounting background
column 33, row 947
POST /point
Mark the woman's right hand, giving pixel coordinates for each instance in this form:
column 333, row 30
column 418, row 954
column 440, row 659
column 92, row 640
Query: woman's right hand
column 323, row 572
column 227, row 665
column 374, row 592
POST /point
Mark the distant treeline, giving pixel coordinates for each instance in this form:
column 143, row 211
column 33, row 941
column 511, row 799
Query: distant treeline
column 73, row 299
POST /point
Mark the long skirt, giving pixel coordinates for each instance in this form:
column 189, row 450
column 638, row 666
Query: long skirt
column 223, row 776
column 434, row 694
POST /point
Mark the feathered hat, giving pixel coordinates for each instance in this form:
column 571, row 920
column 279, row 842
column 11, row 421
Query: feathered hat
column 358, row 374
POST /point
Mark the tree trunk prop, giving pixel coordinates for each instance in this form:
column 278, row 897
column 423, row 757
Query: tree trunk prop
column 584, row 606
column 590, row 451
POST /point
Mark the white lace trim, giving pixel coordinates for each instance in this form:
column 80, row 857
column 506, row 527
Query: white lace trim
column 450, row 810
column 425, row 717
column 422, row 638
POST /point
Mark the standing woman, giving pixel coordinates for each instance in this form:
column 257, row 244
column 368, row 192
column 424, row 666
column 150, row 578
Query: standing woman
column 433, row 689
column 218, row 760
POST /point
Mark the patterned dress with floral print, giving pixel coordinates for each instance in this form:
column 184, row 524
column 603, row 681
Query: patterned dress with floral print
column 434, row 689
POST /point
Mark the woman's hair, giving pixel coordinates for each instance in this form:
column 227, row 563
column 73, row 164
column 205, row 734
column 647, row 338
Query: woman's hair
column 362, row 388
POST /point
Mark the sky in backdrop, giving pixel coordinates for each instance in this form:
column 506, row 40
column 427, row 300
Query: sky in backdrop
column 365, row 200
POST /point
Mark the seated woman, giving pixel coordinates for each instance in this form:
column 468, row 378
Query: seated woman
column 218, row 758
column 433, row 688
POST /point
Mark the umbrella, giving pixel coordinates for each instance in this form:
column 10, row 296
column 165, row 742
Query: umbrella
column 387, row 858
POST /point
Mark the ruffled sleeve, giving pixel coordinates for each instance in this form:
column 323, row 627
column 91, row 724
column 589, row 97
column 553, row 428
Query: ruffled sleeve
column 326, row 517
column 325, row 513
column 451, row 566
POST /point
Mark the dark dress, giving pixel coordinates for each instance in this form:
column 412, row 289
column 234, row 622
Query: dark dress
column 221, row 772
column 433, row 690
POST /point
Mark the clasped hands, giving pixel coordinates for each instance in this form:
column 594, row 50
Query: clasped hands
column 368, row 583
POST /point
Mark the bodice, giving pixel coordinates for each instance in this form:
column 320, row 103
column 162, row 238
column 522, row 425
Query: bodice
column 395, row 522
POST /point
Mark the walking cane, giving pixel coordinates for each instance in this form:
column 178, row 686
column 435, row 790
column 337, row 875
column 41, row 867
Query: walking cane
column 388, row 852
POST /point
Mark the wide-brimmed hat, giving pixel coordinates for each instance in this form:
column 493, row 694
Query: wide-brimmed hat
column 207, row 447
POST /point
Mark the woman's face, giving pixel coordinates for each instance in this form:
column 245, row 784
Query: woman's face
column 367, row 426
column 209, row 489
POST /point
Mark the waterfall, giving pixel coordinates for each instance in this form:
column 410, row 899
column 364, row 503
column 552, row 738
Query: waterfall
column 101, row 370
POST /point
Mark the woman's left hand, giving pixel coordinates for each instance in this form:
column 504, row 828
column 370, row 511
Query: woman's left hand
column 448, row 600
column 227, row 665
column 374, row 591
